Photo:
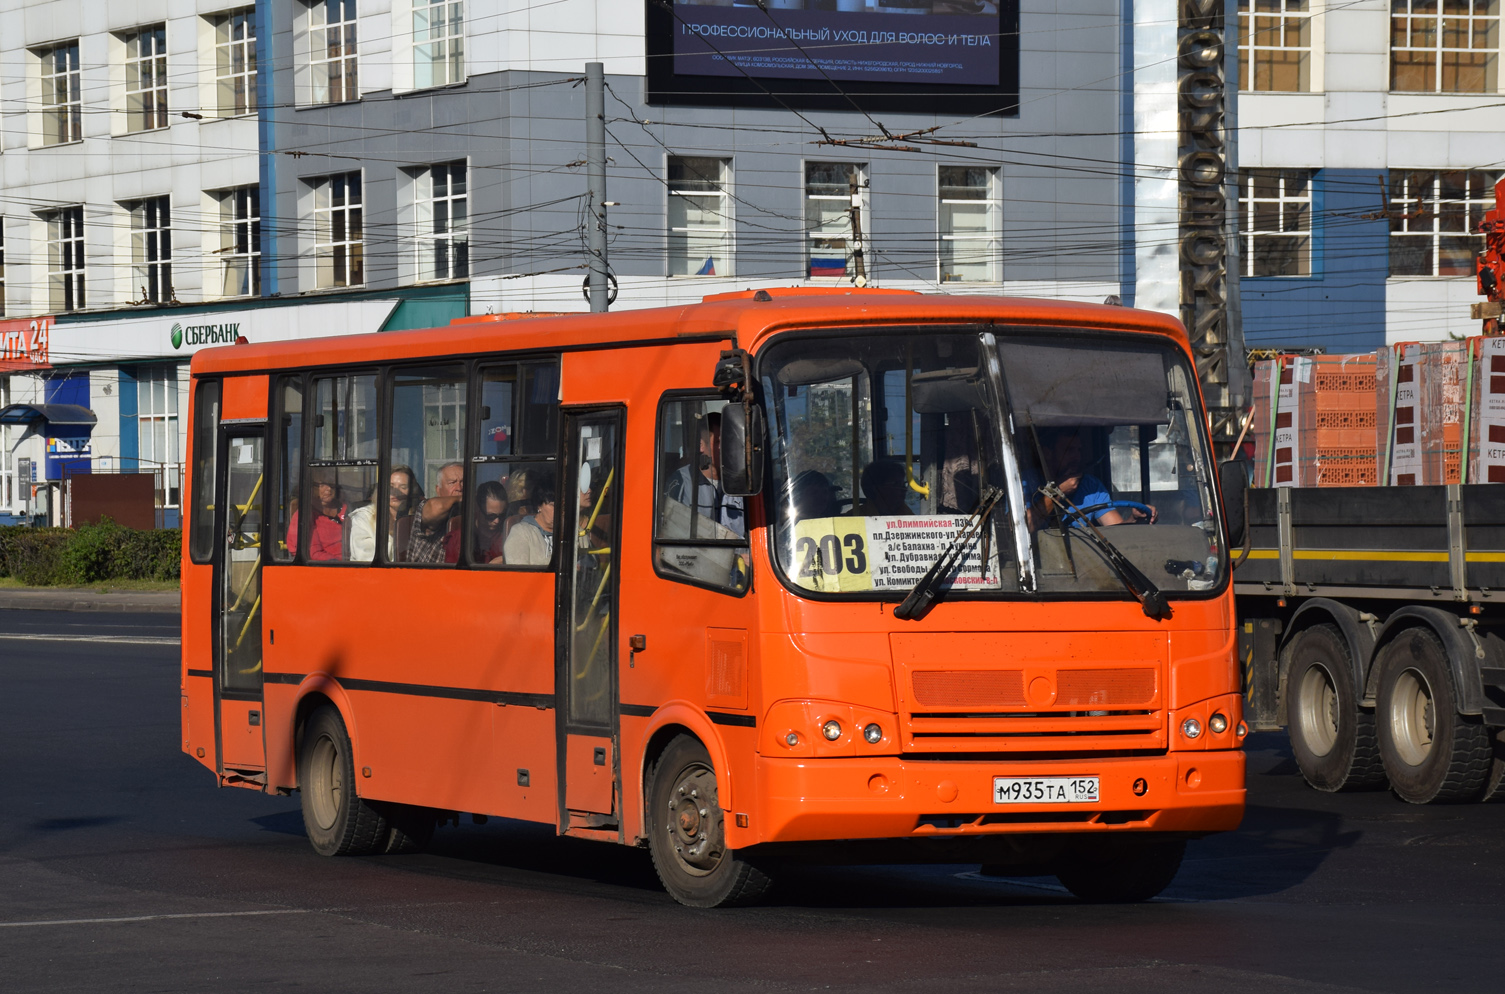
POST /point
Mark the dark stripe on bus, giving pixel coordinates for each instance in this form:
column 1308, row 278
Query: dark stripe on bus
column 722, row 718
column 209, row 673
column 543, row 702
column 637, row 710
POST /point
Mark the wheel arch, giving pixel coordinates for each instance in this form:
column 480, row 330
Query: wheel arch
column 1466, row 652
column 682, row 718
column 316, row 691
column 1360, row 642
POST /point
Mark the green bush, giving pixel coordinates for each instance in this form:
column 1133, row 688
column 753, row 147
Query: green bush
column 42, row 557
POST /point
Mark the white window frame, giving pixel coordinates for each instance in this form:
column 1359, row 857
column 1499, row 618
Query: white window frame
column 62, row 94
column 234, row 35
column 239, row 252
column 1426, row 215
column 1290, row 208
column 339, row 244
column 151, row 250
column 1426, row 33
column 2, row 266
column 159, row 446
column 438, row 43
column 334, row 79
column 146, row 78
column 66, row 289
column 682, row 235
column 992, row 236
column 813, row 231
column 433, row 226
column 1263, row 44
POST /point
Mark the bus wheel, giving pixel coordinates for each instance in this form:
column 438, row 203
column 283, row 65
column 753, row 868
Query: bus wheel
column 687, row 837
column 1120, row 874
column 338, row 822
column 1431, row 752
column 1332, row 738
column 411, row 828
column 1494, row 786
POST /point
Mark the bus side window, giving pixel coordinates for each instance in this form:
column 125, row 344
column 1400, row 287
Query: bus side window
column 428, row 446
column 517, row 410
column 287, row 459
column 205, row 423
column 700, row 532
column 340, row 473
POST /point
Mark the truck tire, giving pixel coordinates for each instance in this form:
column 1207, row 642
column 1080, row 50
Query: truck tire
column 686, row 833
column 1120, row 874
column 1494, row 783
column 336, row 820
column 1431, row 752
column 1332, row 737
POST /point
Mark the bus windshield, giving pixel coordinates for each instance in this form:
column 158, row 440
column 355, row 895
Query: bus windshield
column 884, row 445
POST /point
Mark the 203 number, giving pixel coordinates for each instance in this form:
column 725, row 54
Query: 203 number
column 831, row 555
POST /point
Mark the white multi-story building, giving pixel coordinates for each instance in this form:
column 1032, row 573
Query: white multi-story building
column 1371, row 134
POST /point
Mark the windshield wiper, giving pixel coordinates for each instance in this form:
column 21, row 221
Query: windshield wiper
column 923, row 594
column 1151, row 599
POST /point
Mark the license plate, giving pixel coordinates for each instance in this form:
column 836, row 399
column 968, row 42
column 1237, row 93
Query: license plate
column 1045, row 790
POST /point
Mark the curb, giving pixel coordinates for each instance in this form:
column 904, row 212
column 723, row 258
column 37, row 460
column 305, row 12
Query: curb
column 83, row 599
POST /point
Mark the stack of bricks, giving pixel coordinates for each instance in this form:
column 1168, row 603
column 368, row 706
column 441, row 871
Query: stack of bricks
column 1430, row 400
column 1315, row 421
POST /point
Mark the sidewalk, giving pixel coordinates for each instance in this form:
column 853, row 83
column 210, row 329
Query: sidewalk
column 86, row 599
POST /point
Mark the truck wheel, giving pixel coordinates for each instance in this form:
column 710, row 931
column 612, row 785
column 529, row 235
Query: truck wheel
column 686, row 833
column 1123, row 874
column 1431, row 752
column 338, row 822
column 1494, row 784
column 1332, row 738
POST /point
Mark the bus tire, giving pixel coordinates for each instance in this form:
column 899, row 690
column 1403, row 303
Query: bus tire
column 336, row 820
column 686, row 833
column 409, row 828
column 1333, row 739
column 1120, row 874
column 1431, row 752
column 1494, row 783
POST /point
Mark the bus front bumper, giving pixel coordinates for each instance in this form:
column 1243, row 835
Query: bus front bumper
column 802, row 800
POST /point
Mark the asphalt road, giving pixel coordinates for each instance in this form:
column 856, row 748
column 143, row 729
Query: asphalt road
column 122, row 867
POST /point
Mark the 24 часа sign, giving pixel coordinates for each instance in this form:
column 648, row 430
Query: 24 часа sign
column 882, row 54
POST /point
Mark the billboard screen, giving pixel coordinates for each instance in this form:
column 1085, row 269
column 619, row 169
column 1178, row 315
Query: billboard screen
column 884, row 54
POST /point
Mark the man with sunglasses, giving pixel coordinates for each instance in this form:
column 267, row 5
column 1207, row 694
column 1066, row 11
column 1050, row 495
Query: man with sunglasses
column 486, row 530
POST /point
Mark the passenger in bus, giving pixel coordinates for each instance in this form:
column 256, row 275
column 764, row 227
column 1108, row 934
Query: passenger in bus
column 531, row 541
column 403, row 494
column 884, row 488
column 326, row 536
column 436, row 524
column 486, row 530
column 1063, row 453
column 812, row 495
column 697, row 484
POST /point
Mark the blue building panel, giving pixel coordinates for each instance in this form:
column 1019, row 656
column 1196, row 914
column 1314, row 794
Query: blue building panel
column 67, row 456
column 1341, row 306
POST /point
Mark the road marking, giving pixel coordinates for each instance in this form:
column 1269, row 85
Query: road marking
column 151, row 918
column 113, row 639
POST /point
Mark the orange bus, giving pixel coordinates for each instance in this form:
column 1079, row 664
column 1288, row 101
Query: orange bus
column 784, row 575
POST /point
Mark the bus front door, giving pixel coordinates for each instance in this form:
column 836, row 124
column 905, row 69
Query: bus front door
column 237, row 584
column 589, row 533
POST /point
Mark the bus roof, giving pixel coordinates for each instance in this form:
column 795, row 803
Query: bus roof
column 751, row 315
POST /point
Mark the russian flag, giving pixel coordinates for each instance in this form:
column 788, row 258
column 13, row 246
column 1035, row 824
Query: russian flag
column 709, row 269
column 828, row 267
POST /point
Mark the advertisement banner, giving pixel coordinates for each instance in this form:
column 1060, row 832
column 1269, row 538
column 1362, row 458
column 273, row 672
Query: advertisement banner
column 946, row 43
column 24, row 344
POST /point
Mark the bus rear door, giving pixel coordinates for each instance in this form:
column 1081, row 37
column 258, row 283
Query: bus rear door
column 237, row 587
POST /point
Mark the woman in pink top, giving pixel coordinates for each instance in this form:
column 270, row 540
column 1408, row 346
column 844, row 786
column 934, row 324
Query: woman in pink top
column 326, row 538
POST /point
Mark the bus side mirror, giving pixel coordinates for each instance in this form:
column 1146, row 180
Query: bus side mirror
column 1233, row 477
column 741, row 449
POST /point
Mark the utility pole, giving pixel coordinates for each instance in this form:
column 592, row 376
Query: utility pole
column 858, row 263
column 595, row 169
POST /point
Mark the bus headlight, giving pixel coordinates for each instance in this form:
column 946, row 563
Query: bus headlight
column 1191, row 728
column 1218, row 723
column 873, row 733
column 831, row 730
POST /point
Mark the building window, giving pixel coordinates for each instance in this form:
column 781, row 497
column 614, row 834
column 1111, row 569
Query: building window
column 65, row 258
column 443, row 222
column 438, row 42
column 830, row 189
column 151, row 250
column 1275, row 222
column 338, row 232
column 1447, row 47
column 1432, row 219
column 62, row 98
column 1275, row 45
column 157, row 427
column 332, row 36
column 146, row 78
column 240, row 241
column 2, row 267
column 700, row 217
column 235, row 61
column 967, row 210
